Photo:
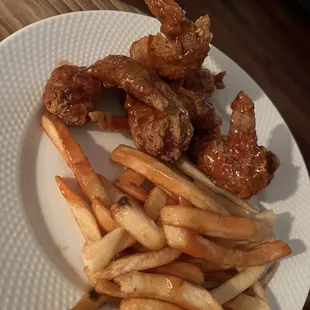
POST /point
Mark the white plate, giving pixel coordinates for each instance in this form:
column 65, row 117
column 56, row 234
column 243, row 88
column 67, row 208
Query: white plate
column 39, row 242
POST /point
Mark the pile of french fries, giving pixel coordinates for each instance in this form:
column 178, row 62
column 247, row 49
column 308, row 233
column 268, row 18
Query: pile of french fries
column 183, row 244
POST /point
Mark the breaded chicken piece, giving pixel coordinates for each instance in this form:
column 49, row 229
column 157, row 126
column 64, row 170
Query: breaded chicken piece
column 235, row 162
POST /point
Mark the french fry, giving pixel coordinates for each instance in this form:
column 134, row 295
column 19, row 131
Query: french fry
column 104, row 286
column 98, row 254
column 138, row 224
column 213, row 224
column 206, row 266
column 197, row 246
column 245, row 302
column 91, row 301
column 79, row 208
column 109, row 122
column 257, row 290
column 131, row 183
column 156, row 199
column 167, row 288
column 251, row 245
column 162, row 176
column 268, row 217
column 190, row 169
column 230, row 206
column 75, row 158
column 103, row 216
column 147, row 304
column 237, row 284
column 267, row 277
column 186, row 271
column 139, row 261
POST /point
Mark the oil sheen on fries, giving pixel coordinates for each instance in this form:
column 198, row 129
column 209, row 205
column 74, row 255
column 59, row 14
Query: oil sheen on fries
column 138, row 224
column 197, row 246
column 75, row 158
column 161, row 175
column 213, row 224
column 167, row 288
column 79, row 208
column 138, row 261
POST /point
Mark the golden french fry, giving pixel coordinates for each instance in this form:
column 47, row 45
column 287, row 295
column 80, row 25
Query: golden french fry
column 213, row 224
column 162, row 176
column 79, row 208
column 245, row 302
column 237, row 284
column 98, row 254
column 267, row 277
column 156, row 199
column 197, row 246
column 251, row 245
column 91, row 301
column 131, row 183
column 138, row 224
column 167, row 288
column 109, row 122
column 139, row 261
column 190, row 169
column 103, row 216
column 104, row 286
column 187, row 271
column 75, row 158
column 230, row 206
column 147, row 304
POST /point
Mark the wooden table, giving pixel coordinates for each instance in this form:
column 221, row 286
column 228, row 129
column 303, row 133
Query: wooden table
column 268, row 39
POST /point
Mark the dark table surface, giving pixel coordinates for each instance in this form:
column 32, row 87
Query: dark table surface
column 269, row 39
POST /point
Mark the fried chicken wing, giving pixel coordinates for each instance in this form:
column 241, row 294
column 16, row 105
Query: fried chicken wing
column 158, row 121
column 181, row 47
column 236, row 163
column 204, row 83
column 70, row 95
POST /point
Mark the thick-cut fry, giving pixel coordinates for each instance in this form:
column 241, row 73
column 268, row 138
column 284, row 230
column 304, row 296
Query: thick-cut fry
column 103, row 216
column 167, row 288
column 104, row 286
column 245, row 302
column 156, row 199
column 79, row 208
column 195, row 245
column 186, row 271
column 213, row 224
column 75, row 158
column 147, row 304
column 137, row 223
column 139, row 261
column 98, row 254
column 230, row 206
column 237, row 284
column 91, row 301
column 251, row 245
column 162, row 176
column 267, row 277
column 190, row 169
column 109, row 122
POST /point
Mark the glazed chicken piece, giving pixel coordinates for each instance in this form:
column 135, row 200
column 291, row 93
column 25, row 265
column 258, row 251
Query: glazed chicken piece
column 204, row 83
column 201, row 112
column 236, row 163
column 181, row 47
column 70, row 95
column 157, row 105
